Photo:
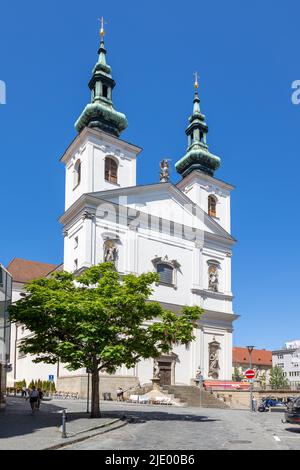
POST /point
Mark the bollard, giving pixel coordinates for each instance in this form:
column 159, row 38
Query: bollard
column 63, row 427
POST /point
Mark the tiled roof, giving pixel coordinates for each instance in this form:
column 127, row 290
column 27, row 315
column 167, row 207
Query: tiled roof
column 23, row 270
column 258, row 356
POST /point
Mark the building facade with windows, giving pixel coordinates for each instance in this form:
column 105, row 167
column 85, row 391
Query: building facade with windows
column 261, row 362
column 5, row 300
column 22, row 366
column 288, row 358
column 182, row 231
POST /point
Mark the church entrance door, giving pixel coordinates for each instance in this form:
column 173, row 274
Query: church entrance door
column 165, row 372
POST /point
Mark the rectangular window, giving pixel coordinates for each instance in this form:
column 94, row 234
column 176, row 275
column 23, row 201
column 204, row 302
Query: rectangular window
column 75, row 264
column 104, row 91
column 165, row 273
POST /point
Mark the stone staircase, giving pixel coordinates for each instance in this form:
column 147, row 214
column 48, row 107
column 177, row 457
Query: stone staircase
column 189, row 395
column 139, row 390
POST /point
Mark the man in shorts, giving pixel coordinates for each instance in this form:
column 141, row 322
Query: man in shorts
column 33, row 399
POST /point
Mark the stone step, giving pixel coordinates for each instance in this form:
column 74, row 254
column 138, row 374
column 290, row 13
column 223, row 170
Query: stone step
column 193, row 396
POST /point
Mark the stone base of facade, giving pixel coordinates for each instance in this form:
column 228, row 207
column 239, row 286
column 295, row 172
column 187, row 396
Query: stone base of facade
column 108, row 384
column 238, row 399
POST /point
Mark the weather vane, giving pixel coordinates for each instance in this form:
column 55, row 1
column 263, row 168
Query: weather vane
column 102, row 31
column 196, row 84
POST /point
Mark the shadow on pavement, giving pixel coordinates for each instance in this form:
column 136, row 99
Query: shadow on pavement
column 143, row 416
column 17, row 420
column 294, row 430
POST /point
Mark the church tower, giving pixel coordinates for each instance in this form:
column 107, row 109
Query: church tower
column 100, row 113
column 98, row 159
column 197, row 168
column 197, row 156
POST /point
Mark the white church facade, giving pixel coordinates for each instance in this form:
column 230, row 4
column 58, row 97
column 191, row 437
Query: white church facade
column 181, row 230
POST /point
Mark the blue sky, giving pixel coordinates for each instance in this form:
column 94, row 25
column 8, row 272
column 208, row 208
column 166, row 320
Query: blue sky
column 247, row 58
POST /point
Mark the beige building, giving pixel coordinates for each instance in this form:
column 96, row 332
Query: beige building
column 24, row 271
column 261, row 362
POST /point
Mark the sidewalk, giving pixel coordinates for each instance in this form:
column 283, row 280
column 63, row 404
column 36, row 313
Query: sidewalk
column 19, row 429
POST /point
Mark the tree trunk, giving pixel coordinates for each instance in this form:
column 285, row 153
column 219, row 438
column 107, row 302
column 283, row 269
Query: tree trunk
column 95, row 412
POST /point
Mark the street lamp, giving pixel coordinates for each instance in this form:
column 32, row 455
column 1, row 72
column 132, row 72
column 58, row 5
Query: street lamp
column 250, row 349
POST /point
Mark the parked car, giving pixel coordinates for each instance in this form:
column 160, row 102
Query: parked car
column 292, row 414
column 267, row 403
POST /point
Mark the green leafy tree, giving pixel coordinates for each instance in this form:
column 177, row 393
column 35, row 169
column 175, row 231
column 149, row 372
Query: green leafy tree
column 263, row 380
column 20, row 384
column 31, row 384
column 277, row 378
column 99, row 322
column 237, row 376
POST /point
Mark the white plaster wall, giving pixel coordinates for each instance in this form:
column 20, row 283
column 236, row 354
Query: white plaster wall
column 92, row 154
column 136, row 250
column 161, row 203
column 209, row 336
column 28, row 370
column 199, row 188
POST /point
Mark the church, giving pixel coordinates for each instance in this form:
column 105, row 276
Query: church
column 181, row 231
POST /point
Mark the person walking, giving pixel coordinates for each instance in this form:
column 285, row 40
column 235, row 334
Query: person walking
column 24, row 392
column 120, row 394
column 40, row 397
column 33, row 399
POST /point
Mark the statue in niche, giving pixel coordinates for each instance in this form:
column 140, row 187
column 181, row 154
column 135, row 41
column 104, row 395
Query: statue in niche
column 213, row 354
column 156, row 374
column 213, row 279
column 110, row 251
column 164, row 171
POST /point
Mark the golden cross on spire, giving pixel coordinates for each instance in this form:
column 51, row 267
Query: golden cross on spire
column 102, row 31
column 196, row 84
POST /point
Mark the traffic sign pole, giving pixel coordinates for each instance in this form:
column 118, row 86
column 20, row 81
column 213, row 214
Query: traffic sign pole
column 250, row 374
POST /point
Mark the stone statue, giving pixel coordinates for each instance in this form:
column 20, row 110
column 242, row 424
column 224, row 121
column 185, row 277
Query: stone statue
column 214, row 366
column 213, row 280
column 156, row 374
column 213, row 361
column 110, row 251
column 164, row 171
column 198, row 372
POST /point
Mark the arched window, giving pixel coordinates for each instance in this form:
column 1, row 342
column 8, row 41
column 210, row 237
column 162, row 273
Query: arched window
column 77, row 173
column 111, row 170
column 166, row 273
column 104, row 91
column 212, row 206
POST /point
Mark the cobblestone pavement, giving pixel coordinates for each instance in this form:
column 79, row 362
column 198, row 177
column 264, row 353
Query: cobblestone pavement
column 160, row 428
column 19, row 429
column 152, row 427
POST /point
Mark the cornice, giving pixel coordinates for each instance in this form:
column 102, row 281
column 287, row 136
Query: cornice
column 211, row 294
column 212, row 180
column 81, row 138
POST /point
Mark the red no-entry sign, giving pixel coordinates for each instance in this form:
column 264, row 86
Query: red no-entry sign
column 250, row 374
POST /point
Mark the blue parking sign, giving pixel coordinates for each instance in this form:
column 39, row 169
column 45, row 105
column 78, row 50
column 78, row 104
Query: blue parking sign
column 51, row 378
